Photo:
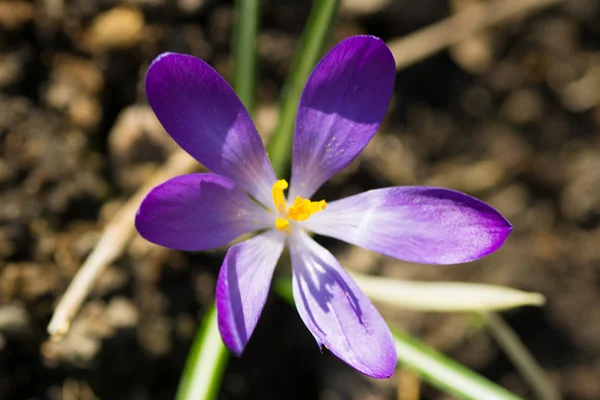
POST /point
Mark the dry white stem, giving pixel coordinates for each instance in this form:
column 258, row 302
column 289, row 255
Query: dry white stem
column 115, row 239
column 407, row 51
column 450, row 31
column 444, row 296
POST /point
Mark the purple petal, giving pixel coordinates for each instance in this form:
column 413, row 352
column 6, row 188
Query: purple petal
column 198, row 212
column 419, row 224
column 342, row 105
column 337, row 313
column 243, row 286
column 206, row 118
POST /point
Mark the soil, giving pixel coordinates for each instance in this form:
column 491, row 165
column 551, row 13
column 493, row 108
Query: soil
column 511, row 116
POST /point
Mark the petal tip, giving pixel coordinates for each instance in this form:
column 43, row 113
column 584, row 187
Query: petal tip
column 384, row 369
column 225, row 330
column 504, row 232
column 161, row 58
column 502, row 221
column 236, row 351
column 231, row 347
column 497, row 236
column 365, row 39
column 375, row 44
column 233, row 342
column 141, row 217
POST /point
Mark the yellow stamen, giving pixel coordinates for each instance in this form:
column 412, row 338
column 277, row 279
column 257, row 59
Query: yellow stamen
column 281, row 223
column 278, row 196
column 304, row 208
column 301, row 210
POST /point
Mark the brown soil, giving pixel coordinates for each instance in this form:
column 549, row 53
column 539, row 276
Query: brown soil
column 511, row 116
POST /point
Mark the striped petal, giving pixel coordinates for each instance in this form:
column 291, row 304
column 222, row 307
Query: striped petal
column 337, row 312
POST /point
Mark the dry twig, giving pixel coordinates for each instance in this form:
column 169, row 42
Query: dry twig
column 450, row 31
column 115, row 239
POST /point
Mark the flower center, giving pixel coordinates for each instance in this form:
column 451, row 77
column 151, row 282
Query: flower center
column 301, row 210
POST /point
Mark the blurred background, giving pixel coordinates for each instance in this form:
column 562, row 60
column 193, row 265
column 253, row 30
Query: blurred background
column 510, row 115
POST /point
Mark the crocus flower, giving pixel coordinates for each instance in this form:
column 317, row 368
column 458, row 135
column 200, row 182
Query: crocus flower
column 342, row 105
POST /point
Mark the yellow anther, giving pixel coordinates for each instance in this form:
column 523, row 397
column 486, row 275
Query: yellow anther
column 281, row 223
column 301, row 210
column 278, row 197
column 304, row 208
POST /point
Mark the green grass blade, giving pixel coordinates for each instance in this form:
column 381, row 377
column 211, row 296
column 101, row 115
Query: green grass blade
column 444, row 373
column 311, row 46
column 432, row 366
column 206, row 362
column 245, row 43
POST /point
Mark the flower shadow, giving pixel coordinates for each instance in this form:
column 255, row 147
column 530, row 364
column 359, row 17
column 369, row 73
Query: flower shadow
column 328, row 290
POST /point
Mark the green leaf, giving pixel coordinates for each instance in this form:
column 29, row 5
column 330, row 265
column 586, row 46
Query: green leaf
column 444, row 373
column 206, row 362
column 432, row 366
column 245, row 44
column 312, row 43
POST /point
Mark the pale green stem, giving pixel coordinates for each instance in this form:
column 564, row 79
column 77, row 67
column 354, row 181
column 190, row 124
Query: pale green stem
column 245, row 47
column 201, row 378
column 444, row 373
